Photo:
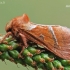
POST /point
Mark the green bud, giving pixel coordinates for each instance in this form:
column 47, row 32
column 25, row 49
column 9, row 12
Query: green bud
column 40, row 65
column 58, row 64
column 26, row 53
column 5, row 55
column 28, row 60
column 49, row 66
column 33, row 50
column 65, row 62
column 38, row 58
column 4, row 47
column 19, row 61
column 13, row 44
column 14, row 53
column 67, row 68
column 9, row 39
column 46, row 57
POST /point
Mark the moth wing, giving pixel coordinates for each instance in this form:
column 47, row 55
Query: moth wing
column 59, row 43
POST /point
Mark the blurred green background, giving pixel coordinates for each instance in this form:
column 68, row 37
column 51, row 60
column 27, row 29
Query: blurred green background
column 50, row 12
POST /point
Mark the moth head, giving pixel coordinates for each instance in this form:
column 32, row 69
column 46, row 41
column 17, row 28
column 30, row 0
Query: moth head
column 24, row 19
column 18, row 22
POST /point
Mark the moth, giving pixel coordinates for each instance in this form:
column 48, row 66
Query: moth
column 54, row 38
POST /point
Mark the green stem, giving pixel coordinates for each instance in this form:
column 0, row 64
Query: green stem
column 32, row 56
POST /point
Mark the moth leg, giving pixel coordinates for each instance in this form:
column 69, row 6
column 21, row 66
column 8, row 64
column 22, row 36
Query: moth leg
column 2, row 40
column 24, row 40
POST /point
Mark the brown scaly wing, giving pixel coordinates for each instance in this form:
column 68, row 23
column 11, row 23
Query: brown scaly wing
column 54, row 38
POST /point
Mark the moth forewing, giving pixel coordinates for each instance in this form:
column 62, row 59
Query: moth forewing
column 54, row 38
